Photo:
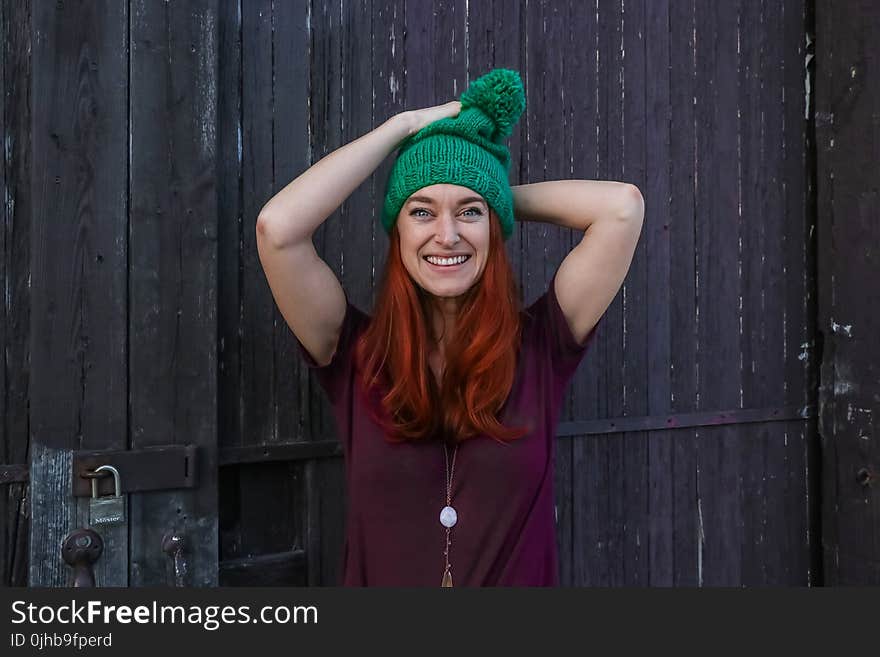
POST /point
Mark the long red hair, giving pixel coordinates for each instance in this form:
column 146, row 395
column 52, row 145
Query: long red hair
column 481, row 357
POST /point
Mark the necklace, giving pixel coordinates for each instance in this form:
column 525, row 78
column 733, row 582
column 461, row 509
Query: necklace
column 448, row 515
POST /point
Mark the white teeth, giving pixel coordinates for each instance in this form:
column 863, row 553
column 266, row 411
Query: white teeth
column 446, row 261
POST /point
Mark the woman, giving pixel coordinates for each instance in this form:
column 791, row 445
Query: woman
column 447, row 398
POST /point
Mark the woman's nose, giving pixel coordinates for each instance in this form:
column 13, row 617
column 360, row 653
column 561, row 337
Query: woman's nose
column 447, row 230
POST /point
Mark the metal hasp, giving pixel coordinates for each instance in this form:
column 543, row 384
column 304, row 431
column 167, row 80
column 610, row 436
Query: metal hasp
column 162, row 467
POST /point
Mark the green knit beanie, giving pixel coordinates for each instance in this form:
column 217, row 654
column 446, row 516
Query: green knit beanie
column 466, row 150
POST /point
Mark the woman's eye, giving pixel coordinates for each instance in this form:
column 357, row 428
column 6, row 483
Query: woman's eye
column 416, row 211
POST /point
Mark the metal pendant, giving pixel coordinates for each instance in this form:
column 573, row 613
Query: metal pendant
column 447, row 579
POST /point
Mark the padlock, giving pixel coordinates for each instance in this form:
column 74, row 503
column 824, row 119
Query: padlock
column 107, row 510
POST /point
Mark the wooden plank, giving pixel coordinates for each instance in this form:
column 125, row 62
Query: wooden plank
column 611, row 566
column 848, row 231
column 775, row 322
column 552, row 128
column 325, row 137
column 686, row 512
column 420, row 65
column 449, row 50
column 638, row 305
column 759, row 221
column 290, row 146
column 78, row 391
column 8, row 522
column 358, row 218
column 298, row 451
column 826, row 135
column 257, row 355
column 173, row 274
column 50, row 467
column 802, row 469
column 231, row 224
column 657, row 260
column 15, row 110
column 718, row 289
column 275, row 60
column 328, row 511
column 388, row 64
column 582, row 94
column 281, row 569
column 506, row 49
column 563, row 166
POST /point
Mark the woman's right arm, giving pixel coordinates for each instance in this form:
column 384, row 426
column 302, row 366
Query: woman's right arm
column 306, row 290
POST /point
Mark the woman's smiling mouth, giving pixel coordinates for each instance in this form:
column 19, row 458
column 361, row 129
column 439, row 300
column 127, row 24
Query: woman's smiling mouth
column 446, row 264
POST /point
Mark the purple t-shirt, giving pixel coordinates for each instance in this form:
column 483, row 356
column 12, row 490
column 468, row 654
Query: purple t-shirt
column 506, row 533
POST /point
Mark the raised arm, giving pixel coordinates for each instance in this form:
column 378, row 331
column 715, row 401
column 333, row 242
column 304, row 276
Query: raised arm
column 611, row 215
column 305, row 289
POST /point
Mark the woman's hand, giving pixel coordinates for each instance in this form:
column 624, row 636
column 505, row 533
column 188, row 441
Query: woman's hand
column 420, row 118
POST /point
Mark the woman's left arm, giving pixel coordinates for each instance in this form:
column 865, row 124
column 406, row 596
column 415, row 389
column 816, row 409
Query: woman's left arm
column 610, row 214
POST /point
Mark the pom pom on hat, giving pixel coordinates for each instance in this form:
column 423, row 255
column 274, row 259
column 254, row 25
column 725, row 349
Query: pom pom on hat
column 500, row 95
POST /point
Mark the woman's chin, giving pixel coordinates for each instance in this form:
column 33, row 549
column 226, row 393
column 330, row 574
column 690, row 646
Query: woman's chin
column 448, row 290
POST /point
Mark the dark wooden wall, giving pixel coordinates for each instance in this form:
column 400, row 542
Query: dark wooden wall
column 687, row 447
column 848, row 235
column 713, row 332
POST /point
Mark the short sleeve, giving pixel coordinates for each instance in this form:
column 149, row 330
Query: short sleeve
column 560, row 346
column 334, row 375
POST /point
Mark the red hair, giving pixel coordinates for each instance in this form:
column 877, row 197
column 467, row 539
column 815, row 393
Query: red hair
column 481, row 356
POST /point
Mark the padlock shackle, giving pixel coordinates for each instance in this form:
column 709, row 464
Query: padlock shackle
column 117, row 480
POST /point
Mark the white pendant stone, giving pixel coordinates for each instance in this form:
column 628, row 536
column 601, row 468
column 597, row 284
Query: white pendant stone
column 448, row 516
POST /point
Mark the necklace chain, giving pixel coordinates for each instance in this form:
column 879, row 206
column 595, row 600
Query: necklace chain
column 450, row 474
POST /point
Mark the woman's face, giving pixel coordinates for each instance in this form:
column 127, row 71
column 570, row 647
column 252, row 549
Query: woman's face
column 445, row 221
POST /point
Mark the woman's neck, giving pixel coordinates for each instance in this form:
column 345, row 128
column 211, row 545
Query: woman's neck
column 444, row 315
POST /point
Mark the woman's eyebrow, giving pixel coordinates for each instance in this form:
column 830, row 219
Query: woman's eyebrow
column 429, row 200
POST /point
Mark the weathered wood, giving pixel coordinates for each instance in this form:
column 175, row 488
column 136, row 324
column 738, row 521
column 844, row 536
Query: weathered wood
column 607, row 564
column 14, row 474
column 324, row 128
column 299, row 451
column 658, row 261
column 686, row 511
column 230, row 223
column 50, row 468
column 639, row 307
column 718, row 289
column 15, row 109
column 759, row 220
column 282, row 569
column 578, row 528
column 684, row 420
column 173, row 275
column 802, row 371
column 78, row 391
column 847, row 123
column 271, row 517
